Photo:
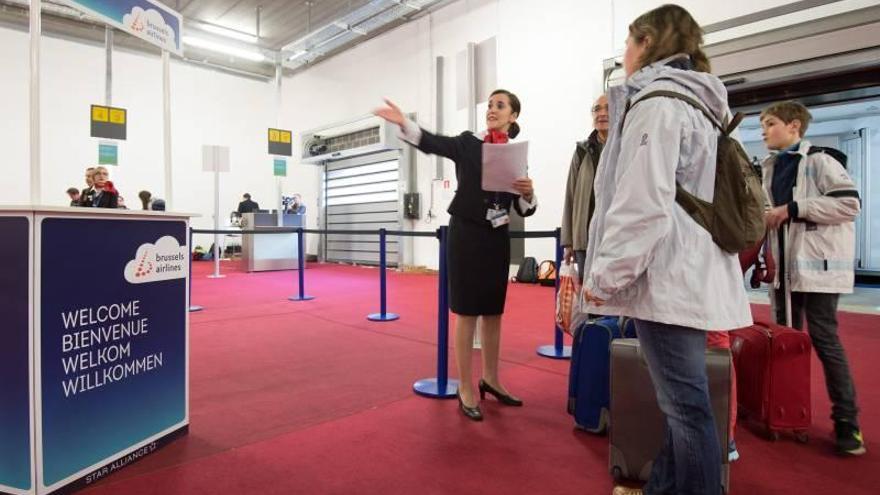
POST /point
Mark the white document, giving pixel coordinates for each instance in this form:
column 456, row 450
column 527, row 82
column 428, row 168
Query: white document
column 503, row 164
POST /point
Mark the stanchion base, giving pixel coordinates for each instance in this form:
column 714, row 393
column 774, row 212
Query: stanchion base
column 216, row 276
column 193, row 308
column 551, row 352
column 428, row 388
column 303, row 298
column 387, row 317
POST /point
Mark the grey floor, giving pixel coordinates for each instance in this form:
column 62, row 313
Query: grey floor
column 863, row 300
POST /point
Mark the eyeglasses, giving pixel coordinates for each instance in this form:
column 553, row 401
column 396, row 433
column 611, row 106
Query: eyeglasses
column 599, row 108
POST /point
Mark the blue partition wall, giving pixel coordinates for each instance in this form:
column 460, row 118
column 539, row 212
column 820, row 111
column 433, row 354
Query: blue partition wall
column 112, row 342
column 15, row 412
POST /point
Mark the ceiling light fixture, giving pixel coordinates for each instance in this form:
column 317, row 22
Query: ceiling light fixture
column 221, row 48
column 297, row 55
column 228, row 32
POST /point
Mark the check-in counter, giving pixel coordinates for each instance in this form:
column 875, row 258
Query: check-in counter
column 262, row 252
column 94, row 355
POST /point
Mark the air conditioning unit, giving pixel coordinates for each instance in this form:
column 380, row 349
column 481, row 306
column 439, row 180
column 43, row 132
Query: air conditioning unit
column 369, row 134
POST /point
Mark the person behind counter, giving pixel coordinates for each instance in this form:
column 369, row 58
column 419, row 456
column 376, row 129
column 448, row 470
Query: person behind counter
column 248, row 206
column 296, row 205
column 105, row 194
column 74, row 195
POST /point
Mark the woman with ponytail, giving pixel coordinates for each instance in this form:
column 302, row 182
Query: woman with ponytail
column 478, row 254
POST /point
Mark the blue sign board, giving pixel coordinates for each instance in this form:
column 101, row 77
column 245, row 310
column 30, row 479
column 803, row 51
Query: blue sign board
column 149, row 20
column 112, row 347
column 16, row 468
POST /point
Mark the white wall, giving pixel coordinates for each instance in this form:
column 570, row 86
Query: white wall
column 208, row 107
column 549, row 53
column 538, row 52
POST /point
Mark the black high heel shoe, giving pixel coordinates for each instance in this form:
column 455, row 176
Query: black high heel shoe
column 503, row 398
column 472, row 413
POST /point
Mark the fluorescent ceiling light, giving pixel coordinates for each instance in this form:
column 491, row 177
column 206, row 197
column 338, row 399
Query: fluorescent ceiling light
column 229, row 33
column 221, row 48
column 297, row 55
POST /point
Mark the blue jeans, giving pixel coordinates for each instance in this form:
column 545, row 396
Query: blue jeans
column 690, row 459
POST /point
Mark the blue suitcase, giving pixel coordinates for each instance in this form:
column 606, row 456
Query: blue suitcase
column 589, row 379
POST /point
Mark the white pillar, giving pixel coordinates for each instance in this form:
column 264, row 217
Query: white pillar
column 108, row 66
column 35, row 33
column 278, row 184
column 166, row 121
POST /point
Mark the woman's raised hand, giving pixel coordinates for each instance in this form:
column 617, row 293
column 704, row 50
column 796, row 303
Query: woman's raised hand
column 390, row 112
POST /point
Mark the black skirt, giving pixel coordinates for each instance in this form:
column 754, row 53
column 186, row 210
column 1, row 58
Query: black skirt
column 478, row 263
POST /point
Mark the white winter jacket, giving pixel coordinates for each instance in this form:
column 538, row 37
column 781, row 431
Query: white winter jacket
column 647, row 258
column 820, row 250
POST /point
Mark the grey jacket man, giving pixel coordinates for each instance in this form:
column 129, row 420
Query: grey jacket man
column 577, row 208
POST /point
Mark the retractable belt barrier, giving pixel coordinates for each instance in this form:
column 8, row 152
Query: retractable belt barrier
column 440, row 386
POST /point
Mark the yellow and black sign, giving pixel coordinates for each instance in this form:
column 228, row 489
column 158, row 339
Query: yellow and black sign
column 279, row 142
column 108, row 122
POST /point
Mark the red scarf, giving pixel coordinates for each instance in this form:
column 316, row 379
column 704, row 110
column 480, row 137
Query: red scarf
column 495, row 137
column 108, row 187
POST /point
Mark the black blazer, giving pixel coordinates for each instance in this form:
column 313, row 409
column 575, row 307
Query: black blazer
column 248, row 206
column 106, row 199
column 470, row 200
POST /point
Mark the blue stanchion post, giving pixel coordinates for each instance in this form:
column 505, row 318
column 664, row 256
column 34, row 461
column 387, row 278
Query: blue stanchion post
column 557, row 350
column 440, row 387
column 192, row 307
column 382, row 315
column 301, row 272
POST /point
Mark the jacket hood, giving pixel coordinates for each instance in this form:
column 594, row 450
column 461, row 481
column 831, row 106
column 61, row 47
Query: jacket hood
column 707, row 88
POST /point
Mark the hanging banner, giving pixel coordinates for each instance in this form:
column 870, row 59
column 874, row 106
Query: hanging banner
column 149, row 20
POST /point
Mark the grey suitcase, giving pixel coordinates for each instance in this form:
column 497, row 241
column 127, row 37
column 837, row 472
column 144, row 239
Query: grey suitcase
column 637, row 425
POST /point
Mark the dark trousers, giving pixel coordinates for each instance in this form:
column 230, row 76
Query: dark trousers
column 821, row 312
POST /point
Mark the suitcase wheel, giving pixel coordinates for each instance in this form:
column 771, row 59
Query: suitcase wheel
column 802, row 436
column 617, row 474
column 772, row 435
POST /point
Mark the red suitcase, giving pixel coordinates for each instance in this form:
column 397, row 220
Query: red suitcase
column 773, row 377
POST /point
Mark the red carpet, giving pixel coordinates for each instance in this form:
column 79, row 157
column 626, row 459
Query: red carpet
column 311, row 398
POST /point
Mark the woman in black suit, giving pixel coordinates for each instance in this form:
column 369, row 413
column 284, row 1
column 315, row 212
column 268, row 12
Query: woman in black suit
column 104, row 195
column 478, row 258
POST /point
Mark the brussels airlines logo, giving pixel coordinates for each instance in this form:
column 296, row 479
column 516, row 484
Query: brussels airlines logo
column 165, row 260
column 150, row 24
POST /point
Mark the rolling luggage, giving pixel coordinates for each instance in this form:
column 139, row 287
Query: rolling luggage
column 773, row 373
column 588, row 380
column 773, row 378
column 637, row 426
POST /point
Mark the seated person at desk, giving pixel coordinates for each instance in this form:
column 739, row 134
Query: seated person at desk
column 296, row 205
column 74, row 195
column 104, row 194
column 248, row 206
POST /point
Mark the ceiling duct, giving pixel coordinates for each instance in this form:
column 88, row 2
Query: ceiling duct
column 361, row 22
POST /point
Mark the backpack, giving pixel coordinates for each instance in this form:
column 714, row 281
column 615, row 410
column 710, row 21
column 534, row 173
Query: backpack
column 833, row 153
column 528, row 271
column 547, row 273
column 736, row 216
